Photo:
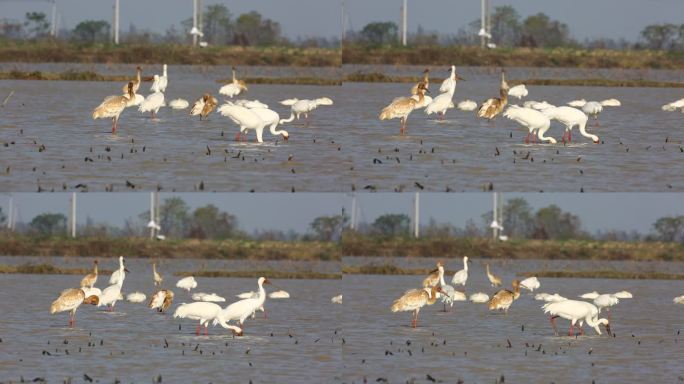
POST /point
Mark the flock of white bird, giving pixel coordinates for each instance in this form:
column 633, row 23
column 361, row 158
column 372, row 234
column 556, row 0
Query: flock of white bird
column 203, row 308
column 535, row 116
column 577, row 312
column 246, row 114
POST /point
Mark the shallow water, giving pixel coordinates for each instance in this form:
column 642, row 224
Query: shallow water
column 315, row 341
column 471, row 344
column 343, row 147
column 298, row 336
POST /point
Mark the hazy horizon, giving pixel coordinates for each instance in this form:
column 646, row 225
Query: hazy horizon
column 316, row 18
column 283, row 211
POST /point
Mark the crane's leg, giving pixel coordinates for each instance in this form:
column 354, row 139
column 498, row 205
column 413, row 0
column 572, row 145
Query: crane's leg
column 206, row 329
column 553, row 324
column 571, row 330
column 527, row 138
column 197, row 331
column 570, row 136
column 114, row 125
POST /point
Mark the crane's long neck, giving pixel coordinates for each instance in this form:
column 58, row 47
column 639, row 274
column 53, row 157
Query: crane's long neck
column 164, row 70
column 234, row 77
column 542, row 131
column 276, row 132
column 583, row 132
column 432, row 296
column 154, row 268
column 441, row 276
column 122, row 274
column 262, row 293
column 465, row 265
column 95, row 269
column 138, row 73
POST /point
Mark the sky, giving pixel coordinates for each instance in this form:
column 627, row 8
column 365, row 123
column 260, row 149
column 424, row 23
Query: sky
column 306, row 18
column 284, row 211
column 298, row 18
column 586, row 18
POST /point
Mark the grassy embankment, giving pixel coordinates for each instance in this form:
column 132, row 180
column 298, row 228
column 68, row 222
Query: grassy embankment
column 352, row 245
column 174, row 248
column 512, row 57
column 512, row 249
column 515, row 249
column 62, row 52
column 72, row 75
column 376, row 77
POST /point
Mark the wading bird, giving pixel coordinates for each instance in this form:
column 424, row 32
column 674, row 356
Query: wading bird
column 441, row 103
column 303, row 107
column 112, row 294
column 575, row 311
column 233, row 88
column 503, row 299
column 531, row 283
column 136, row 297
column 461, row 276
column 160, row 82
column 90, row 279
column 112, row 106
column 70, row 300
column 136, row 82
column 414, row 300
column 178, row 104
column 533, row 120
column 493, row 279
column 204, row 312
column 570, row 117
column 156, row 277
column 187, row 283
column 161, row 300
column 242, row 309
column 401, row 107
column 494, row 106
column 203, row 106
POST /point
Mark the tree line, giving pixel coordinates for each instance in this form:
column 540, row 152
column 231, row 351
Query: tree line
column 220, row 27
column 510, row 29
column 520, row 221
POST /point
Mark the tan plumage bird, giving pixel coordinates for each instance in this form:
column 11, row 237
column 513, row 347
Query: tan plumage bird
column 161, row 300
column 503, row 299
column 69, row 300
column 203, row 106
column 112, row 106
column 90, row 279
column 136, row 81
column 433, row 277
column 495, row 280
column 494, row 106
column 158, row 279
column 402, row 107
column 414, row 300
column 425, row 82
